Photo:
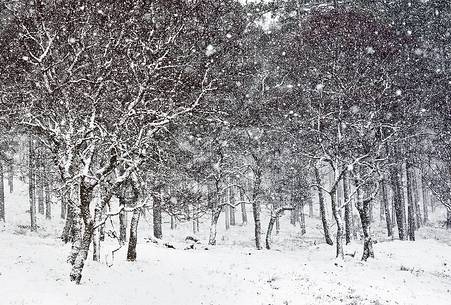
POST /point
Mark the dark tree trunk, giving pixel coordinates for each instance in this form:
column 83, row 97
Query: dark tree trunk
column 322, row 208
column 157, row 229
column 243, row 207
column 227, row 216
column 310, row 207
column 339, row 222
column 348, row 209
column 448, row 219
column 11, row 176
column 272, row 221
column 122, row 222
column 68, row 230
column 363, row 207
column 2, row 194
column 31, row 184
column 425, row 198
column 410, row 202
column 256, row 210
column 81, row 256
column 48, row 203
column 398, row 201
column 131, row 253
column 386, row 208
column 40, row 185
column 232, row 207
column 63, row 206
column 302, row 219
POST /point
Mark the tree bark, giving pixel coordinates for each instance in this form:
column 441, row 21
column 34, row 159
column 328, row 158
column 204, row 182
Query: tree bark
column 122, row 222
column 322, row 208
column 11, row 176
column 386, row 208
column 363, row 207
column 81, row 256
column 157, row 229
column 425, row 198
column 398, row 201
column 2, row 194
column 131, row 253
column 256, row 210
column 31, row 184
column 410, row 202
column 40, row 185
column 448, row 219
column 48, row 203
column 348, row 209
column 68, row 231
column 339, row 223
column 243, row 207
column 302, row 219
column 63, row 206
column 216, row 212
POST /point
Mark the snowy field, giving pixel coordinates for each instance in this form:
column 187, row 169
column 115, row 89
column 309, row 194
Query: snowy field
column 299, row 270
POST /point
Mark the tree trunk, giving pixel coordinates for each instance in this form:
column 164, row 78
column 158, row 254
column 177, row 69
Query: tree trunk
column 157, row 229
column 232, row 207
column 227, row 216
column 82, row 255
column 410, row 202
column 40, row 185
column 339, row 223
column 416, row 199
column 2, row 194
column 348, row 209
column 302, row 219
column 85, row 201
column 122, row 222
column 386, row 208
column 398, row 201
column 48, row 203
column 448, row 219
column 68, row 230
column 322, row 208
column 63, row 206
column 366, row 224
column 256, row 211
column 131, row 253
column 216, row 212
column 243, row 207
column 310, row 207
column 272, row 220
column 11, row 176
column 425, row 197
column 31, row 184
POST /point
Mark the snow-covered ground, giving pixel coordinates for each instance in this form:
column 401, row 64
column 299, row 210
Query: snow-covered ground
column 300, row 270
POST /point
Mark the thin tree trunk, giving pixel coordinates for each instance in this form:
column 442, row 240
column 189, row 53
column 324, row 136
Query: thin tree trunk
column 272, row 220
column 2, row 194
column 348, row 209
column 310, row 207
column 40, row 185
column 131, row 253
column 48, row 203
column 425, row 197
column 122, row 222
column 386, row 208
column 448, row 219
column 243, row 207
column 11, row 176
column 256, row 210
column 322, row 208
column 231, row 199
column 31, row 184
column 410, row 202
column 302, row 219
column 157, row 229
column 63, row 206
column 339, row 223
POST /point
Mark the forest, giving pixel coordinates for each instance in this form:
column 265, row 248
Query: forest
column 185, row 132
